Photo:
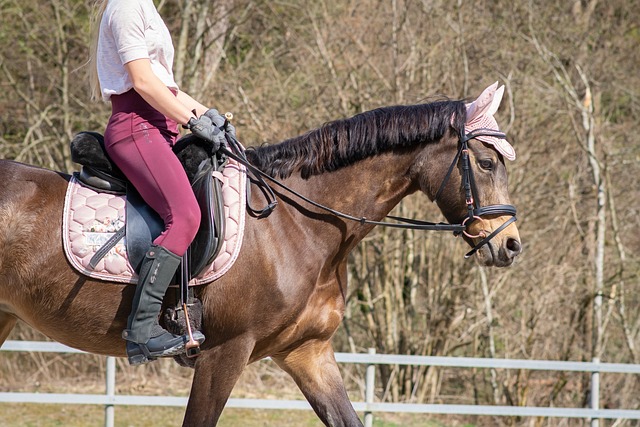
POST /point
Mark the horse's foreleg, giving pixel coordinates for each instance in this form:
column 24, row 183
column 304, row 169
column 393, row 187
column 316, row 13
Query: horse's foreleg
column 7, row 322
column 216, row 372
column 314, row 369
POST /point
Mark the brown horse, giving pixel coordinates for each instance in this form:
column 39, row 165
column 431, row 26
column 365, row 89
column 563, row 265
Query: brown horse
column 285, row 295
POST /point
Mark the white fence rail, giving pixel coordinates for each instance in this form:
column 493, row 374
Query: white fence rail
column 109, row 399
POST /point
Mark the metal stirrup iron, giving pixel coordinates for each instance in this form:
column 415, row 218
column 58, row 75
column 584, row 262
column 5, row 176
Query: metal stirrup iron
column 192, row 347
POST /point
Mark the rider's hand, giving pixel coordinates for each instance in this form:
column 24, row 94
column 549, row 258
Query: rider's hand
column 220, row 121
column 205, row 129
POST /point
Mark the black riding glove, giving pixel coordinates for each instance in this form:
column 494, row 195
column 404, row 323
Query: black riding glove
column 221, row 122
column 205, row 129
column 215, row 117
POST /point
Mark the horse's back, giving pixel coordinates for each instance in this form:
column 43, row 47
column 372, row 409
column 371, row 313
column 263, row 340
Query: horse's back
column 31, row 201
column 30, row 192
column 12, row 171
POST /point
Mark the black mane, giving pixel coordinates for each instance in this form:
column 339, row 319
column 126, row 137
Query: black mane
column 343, row 142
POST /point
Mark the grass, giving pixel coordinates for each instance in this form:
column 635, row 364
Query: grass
column 49, row 415
column 49, row 373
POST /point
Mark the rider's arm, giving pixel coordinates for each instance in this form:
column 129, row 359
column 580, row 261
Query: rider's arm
column 191, row 103
column 154, row 91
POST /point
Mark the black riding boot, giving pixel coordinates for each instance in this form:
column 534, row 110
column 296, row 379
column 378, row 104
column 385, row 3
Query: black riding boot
column 146, row 339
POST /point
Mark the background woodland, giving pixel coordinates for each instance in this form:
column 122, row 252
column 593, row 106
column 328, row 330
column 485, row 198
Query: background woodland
column 571, row 110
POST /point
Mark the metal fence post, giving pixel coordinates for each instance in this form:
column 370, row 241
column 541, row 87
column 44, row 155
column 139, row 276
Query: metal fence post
column 369, row 390
column 595, row 392
column 109, row 409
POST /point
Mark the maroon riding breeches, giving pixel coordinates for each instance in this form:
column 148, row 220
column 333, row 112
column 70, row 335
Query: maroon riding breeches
column 138, row 139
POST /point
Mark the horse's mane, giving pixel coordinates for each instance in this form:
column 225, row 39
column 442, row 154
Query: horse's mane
column 343, row 142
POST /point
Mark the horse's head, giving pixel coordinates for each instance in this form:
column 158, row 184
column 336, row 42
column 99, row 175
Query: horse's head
column 470, row 186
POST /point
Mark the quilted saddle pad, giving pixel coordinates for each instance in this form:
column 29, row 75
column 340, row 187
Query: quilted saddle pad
column 91, row 218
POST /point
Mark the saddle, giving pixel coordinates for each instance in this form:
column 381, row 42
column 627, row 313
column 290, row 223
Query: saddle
column 143, row 224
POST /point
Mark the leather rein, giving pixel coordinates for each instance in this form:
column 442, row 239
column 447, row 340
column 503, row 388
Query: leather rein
column 474, row 211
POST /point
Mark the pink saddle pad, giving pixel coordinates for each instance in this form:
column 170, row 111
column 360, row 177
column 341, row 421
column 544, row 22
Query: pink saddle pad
column 91, row 218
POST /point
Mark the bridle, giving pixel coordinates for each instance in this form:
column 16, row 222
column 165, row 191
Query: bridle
column 475, row 212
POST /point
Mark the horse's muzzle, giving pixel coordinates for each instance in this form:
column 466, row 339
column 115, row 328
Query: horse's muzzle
column 502, row 249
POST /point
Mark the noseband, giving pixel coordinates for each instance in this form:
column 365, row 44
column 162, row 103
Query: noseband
column 474, row 210
column 234, row 150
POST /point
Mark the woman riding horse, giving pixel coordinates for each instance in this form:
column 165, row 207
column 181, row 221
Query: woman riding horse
column 285, row 295
column 133, row 63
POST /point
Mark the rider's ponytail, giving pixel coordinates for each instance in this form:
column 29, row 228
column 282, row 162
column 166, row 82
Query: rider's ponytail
column 96, row 92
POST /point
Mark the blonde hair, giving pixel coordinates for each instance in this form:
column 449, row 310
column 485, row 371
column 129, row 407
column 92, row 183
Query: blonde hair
column 96, row 18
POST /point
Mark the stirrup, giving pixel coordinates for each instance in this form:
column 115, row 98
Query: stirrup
column 165, row 345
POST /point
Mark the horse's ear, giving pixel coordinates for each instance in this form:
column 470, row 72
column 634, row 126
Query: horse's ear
column 480, row 116
column 495, row 103
column 485, row 102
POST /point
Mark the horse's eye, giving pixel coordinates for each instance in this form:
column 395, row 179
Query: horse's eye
column 486, row 164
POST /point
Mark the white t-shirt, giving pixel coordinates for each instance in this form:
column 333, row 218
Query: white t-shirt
column 129, row 30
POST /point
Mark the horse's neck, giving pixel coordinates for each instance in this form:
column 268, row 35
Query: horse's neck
column 370, row 188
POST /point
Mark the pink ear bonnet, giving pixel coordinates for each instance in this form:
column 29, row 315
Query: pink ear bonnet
column 480, row 115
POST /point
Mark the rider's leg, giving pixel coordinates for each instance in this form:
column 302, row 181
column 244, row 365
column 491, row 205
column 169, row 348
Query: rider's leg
column 140, row 144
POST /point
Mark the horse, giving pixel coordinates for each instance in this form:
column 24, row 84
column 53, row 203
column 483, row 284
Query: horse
column 285, row 295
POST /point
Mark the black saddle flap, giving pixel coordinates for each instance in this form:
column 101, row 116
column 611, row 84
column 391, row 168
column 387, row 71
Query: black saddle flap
column 210, row 236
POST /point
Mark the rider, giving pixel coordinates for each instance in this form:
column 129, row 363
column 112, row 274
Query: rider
column 132, row 57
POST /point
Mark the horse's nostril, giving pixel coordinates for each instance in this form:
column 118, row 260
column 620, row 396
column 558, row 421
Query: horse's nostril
column 514, row 246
